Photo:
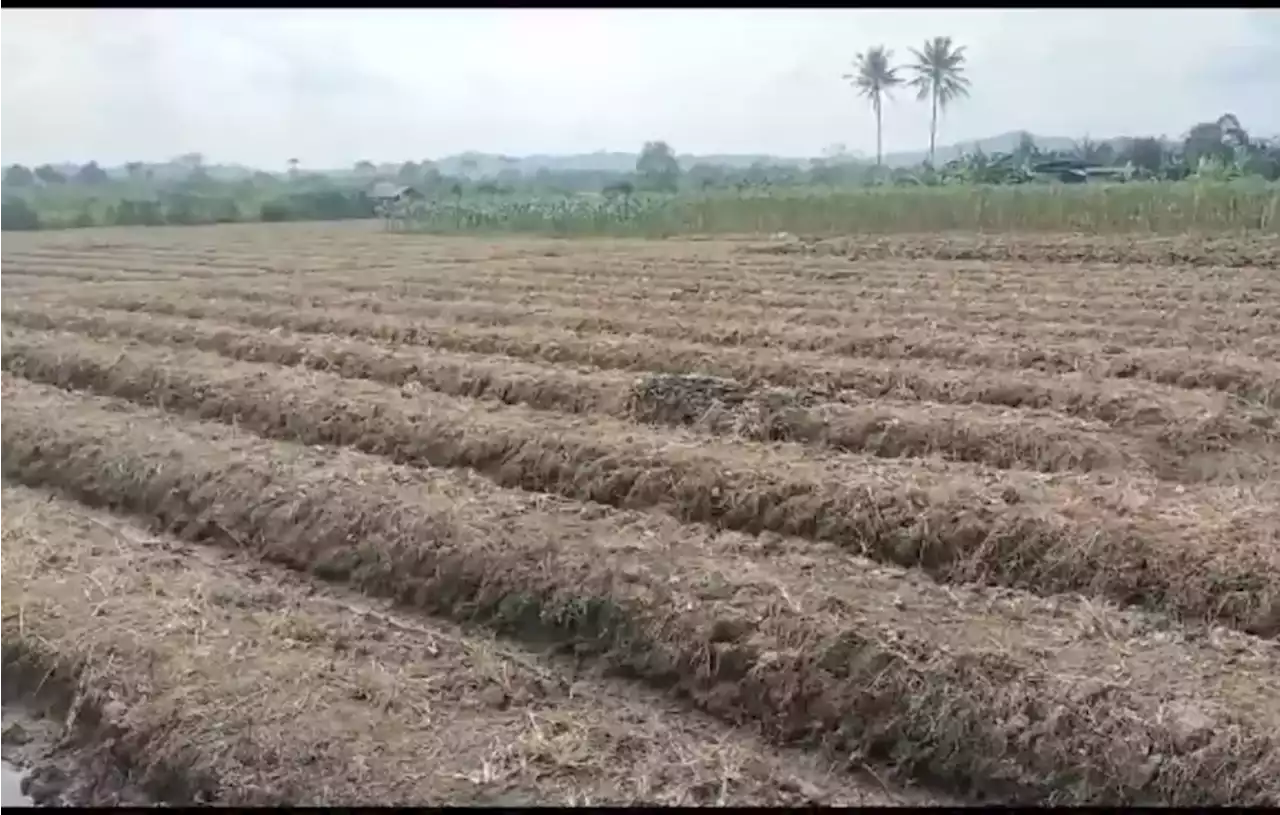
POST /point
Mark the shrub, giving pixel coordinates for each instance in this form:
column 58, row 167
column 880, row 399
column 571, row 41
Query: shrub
column 18, row 216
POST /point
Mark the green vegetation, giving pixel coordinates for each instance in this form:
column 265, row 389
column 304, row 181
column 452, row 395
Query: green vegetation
column 1168, row 208
column 1218, row 177
column 48, row 199
column 995, row 193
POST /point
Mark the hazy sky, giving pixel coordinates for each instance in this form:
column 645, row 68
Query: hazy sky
column 333, row 86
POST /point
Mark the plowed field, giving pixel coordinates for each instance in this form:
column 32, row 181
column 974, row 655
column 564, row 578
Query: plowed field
column 319, row 515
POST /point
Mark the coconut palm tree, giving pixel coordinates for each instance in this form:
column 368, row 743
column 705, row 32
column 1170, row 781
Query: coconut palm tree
column 939, row 77
column 875, row 78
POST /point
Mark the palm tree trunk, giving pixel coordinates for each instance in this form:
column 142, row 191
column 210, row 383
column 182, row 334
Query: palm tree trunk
column 879, row 153
column 933, row 129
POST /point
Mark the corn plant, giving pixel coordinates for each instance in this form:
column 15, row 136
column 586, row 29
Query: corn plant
column 1201, row 205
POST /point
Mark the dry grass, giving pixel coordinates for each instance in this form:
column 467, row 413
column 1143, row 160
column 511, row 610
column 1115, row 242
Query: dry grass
column 998, row 437
column 850, row 657
column 1022, row 310
column 1258, row 251
column 683, row 462
column 1207, row 315
column 223, row 681
column 1113, row 401
column 1256, row 380
column 955, row 524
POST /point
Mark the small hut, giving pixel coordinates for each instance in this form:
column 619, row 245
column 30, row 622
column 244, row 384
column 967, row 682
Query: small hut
column 385, row 192
column 393, row 201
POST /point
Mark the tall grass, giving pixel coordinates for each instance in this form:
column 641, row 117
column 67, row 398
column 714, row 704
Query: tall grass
column 1158, row 208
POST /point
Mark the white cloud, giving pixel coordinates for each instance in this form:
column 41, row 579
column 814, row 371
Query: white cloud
column 330, row 87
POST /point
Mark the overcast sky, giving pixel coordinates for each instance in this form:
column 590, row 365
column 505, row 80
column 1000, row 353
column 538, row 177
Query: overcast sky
column 334, row 86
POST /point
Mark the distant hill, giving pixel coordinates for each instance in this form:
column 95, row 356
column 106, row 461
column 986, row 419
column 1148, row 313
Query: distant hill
column 488, row 165
column 1004, row 143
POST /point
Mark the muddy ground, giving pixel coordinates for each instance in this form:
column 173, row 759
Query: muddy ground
column 30, row 738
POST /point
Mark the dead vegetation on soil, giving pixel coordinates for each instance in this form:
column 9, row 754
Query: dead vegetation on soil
column 1037, row 308
column 997, row 437
column 957, row 526
column 1117, row 402
column 669, row 460
column 235, row 684
column 1259, row 251
column 1253, row 379
column 847, row 657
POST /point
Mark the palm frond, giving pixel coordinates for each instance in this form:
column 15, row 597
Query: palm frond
column 938, row 70
column 874, row 76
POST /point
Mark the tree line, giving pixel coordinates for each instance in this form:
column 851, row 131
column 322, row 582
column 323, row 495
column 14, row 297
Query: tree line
column 1220, row 149
column 186, row 191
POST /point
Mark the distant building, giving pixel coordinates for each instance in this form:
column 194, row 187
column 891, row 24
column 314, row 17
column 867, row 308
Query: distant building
column 385, row 192
column 395, row 203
